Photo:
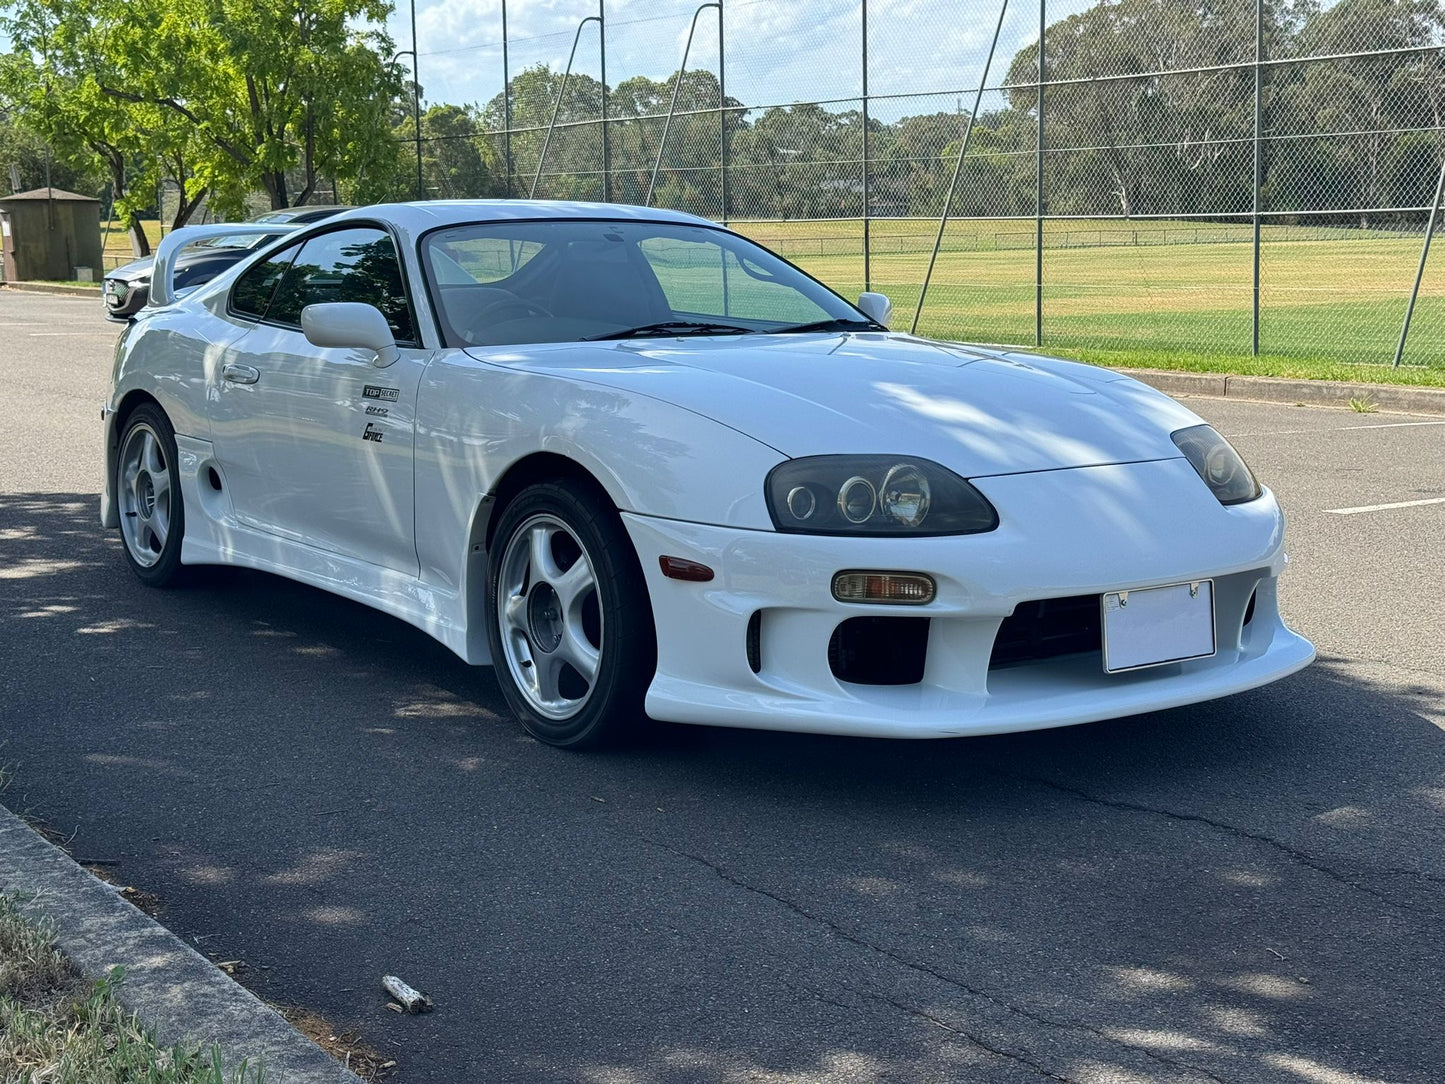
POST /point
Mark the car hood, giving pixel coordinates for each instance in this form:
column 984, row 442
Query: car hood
column 133, row 271
column 979, row 411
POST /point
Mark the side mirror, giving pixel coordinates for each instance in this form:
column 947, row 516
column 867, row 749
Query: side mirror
column 876, row 307
column 350, row 325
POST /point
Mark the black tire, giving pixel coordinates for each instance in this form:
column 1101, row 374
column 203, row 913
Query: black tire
column 611, row 710
column 153, row 554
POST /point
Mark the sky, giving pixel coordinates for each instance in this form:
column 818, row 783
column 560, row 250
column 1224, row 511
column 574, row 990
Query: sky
column 778, row 52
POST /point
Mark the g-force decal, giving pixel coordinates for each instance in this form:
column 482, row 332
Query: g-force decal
column 386, row 395
column 372, row 433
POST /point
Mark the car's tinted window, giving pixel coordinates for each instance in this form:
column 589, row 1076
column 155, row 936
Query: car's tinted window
column 253, row 290
column 346, row 265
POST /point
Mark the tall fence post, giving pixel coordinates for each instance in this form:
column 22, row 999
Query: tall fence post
column 1420, row 272
column 506, row 103
column 1258, row 157
column 672, row 108
column 867, row 177
column 958, row 166
column 722, row 114
column 1039, row 187
column 557, row 106
column 416, row 100
column 606, row 143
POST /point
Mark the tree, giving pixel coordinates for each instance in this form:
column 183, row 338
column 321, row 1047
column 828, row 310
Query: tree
column 34, row 159
column 457, row 159
column 1365, row 103
column 269, row 86
column 49, row 84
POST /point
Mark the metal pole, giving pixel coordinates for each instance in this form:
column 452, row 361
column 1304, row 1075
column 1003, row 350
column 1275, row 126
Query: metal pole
column 671, row 109
column 416, row 101
column 1039, row 189
column 1420, row 274
column 606, row 144
column 867, row 178
column 506, row 102
column 1258, row 157
column 557, row 105
column 958, row 166
column 722, row 116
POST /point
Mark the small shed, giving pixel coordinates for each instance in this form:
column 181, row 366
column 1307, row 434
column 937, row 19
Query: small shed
column 49, row 234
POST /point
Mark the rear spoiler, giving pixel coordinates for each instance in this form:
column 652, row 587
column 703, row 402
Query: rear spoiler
column 164, row 267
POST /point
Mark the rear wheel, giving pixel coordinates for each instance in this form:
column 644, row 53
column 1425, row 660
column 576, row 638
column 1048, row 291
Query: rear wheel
column 569, row 620
column 148, row 496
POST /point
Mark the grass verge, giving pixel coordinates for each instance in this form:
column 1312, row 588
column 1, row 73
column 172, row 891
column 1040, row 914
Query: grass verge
column 58, row 1028
column 1292, row 368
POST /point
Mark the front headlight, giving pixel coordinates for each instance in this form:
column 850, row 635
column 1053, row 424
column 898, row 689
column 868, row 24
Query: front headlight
column 1222, row 468
column 874, row 495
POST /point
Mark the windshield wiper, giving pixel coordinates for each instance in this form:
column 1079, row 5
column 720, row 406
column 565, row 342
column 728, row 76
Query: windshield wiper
column 669, row 328
column 844, row 324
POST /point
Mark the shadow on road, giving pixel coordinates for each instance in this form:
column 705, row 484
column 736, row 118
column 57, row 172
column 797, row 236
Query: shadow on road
column 1248, row 890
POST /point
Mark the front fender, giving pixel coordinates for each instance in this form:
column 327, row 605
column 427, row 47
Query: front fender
column 475, row 419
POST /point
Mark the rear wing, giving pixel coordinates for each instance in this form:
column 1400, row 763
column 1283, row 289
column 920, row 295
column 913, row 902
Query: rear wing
column 164, row 269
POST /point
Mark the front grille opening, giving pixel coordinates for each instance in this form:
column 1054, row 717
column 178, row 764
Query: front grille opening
column 879, row 650
column 1047, row 629
column 755, row 641
column 1249, row 610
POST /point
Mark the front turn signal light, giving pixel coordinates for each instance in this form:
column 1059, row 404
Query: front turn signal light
column 897, row 588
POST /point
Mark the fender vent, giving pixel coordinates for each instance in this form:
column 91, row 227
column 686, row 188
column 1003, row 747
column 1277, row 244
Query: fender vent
column 879, row 650
column 755, row 641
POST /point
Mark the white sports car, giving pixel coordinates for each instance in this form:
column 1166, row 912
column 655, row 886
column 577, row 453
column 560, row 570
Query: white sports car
column 644, row 467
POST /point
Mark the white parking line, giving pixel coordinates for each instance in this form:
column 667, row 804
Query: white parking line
column 1331, row 429
column 1383, row 507
column 1389, row 425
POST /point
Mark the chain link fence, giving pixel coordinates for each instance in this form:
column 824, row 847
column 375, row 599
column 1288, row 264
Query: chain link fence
column 1141, row 176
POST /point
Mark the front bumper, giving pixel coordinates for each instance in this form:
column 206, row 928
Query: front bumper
column 124, row 298
column 1062, row 534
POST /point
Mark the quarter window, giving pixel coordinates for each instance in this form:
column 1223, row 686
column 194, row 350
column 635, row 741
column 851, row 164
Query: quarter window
column 252, row 295
column 346, row 265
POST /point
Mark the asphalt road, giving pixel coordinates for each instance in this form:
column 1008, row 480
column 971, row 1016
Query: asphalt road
column 1248, row 891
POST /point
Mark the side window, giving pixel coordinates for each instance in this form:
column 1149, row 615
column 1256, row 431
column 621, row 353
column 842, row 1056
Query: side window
column 346, row 265
column 704, row 279
column 252, row 293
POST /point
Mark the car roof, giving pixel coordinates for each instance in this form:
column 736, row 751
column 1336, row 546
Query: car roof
column 419, row 217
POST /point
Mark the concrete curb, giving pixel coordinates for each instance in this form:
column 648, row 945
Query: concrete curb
column 168, row 984
column 1400, row 398
column 53, row 288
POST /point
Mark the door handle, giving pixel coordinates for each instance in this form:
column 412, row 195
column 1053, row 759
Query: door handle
column 240, row 374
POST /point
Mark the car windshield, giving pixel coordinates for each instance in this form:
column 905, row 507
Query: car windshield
column 236, row 240
column 549, row 281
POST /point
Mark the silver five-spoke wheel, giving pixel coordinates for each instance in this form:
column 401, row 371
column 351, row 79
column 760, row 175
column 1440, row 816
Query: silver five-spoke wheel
column 145, row 495
column 550, row 617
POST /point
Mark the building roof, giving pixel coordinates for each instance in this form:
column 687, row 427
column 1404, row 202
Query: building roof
column 49, row 193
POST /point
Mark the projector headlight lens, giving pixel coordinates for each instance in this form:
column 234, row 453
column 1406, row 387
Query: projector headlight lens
column 874, row 495
column 1223, row 469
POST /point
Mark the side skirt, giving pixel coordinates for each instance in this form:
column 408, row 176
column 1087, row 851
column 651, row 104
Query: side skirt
column 215, row 537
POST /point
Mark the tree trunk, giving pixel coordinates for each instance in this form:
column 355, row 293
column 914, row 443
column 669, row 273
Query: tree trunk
column 115, row 161
column 185, row 208
column 275, row 184
column 139, row 244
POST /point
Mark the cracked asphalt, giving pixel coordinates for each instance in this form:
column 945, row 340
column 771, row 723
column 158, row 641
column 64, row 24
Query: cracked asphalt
column 1247, row 891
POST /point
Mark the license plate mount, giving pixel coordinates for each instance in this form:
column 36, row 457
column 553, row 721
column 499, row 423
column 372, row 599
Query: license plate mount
column 1155, row 626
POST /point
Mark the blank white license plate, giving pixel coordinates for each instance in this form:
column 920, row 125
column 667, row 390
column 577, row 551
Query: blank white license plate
column 1158, row 625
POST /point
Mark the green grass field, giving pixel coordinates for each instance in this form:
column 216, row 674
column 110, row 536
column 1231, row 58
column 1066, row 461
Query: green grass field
column 1331, row 298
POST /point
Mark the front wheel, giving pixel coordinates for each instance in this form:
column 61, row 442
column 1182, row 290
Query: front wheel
column 148, row 495
column 569, row 620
